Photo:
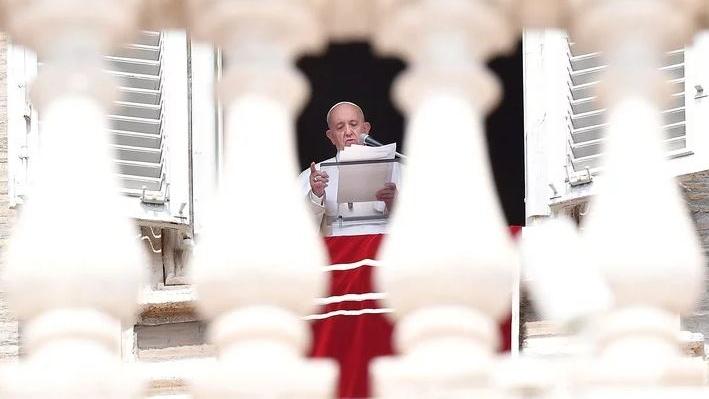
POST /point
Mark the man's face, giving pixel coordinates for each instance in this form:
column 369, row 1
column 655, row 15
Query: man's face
column 345, row 126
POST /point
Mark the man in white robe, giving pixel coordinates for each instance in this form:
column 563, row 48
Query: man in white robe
column 346, row 124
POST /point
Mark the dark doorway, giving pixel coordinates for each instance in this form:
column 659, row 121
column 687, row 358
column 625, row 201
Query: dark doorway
column 351, row 72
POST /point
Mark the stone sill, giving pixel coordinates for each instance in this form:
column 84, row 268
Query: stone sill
column 168, row 305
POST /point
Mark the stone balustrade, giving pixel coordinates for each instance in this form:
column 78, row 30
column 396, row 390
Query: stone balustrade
column 73, row 295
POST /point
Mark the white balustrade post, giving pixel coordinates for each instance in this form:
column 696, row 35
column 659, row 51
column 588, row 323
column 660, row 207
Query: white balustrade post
column 449, row 261
column 641, row 236
column 74, row 268
column 257, row 269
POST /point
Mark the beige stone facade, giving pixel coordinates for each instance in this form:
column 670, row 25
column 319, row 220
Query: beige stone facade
column 9, row 347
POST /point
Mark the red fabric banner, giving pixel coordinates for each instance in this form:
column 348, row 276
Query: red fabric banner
column 352, row 327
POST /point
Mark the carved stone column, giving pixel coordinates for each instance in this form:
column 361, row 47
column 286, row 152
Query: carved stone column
column 449, row 259
column 74, row 268
column 257, row 270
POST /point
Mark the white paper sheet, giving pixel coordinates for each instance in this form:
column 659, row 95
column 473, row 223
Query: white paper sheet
column 365, row 153
column 360, row 183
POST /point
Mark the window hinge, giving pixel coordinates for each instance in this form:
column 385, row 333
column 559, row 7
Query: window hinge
column 28, row 112
column 555, row 192
column 152, row 197
column 578, row 178
column 24, row 152
column 181, row 212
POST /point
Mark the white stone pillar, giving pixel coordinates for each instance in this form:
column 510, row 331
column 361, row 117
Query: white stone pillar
column 639, row 232
column 257, row 270
column 449, row 259
column 74, row 268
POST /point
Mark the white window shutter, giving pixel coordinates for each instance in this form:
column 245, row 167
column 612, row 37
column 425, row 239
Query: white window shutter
column 136, row 120
column 149, row 124
column 587, row 118
column 565, row 123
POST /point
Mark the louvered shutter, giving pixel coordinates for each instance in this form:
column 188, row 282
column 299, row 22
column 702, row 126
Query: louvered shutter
column 136, row 120
column 565, row 123
column 150, row 127
column 587, row 119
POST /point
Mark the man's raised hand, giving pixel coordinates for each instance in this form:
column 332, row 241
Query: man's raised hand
column 318, row 180
column 388, row 195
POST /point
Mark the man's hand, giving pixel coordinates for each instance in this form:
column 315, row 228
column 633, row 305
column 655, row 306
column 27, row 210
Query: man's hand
column 388, row 195
column 318, row 180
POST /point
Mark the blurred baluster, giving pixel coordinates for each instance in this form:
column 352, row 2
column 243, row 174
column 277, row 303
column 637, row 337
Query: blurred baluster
column 567, row 292
column 257, row 269
column 73, row 268
column 450, row 262
column 642, row 238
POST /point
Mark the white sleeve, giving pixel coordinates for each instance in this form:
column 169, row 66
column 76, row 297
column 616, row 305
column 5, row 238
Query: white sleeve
column 315, row 204
column 319, row 201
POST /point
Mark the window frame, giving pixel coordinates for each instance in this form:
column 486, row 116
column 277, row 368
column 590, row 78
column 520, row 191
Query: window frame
column 22, row 129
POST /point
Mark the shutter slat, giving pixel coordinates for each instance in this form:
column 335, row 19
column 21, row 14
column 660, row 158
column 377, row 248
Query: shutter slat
column 588, row 119
column 677, row 86
column 588, row 133
column 134, row 66
column 135, row 139
column 584, row 76
column 585, row 105
column 140, row 51
column 675, row 57
column 140, row 125
column 141, row 169
column 137, row 110
column 676, row 130
column 133, row 185
column 137, row 81
column 138, row 154
column 674, row 71
column 137, row 95
column 148, row 38
column 586, row 61
column 583, row 91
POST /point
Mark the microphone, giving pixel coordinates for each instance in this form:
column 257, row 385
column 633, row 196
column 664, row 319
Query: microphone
column 366, row 139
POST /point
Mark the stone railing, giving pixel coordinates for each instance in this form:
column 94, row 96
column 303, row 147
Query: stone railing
column 73, row 295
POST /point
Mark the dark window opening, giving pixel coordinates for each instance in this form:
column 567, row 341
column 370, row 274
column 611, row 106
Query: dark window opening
column 352, row 72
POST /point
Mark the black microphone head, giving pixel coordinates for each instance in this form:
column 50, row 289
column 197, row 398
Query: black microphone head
column 362, row 139
column 368, row 140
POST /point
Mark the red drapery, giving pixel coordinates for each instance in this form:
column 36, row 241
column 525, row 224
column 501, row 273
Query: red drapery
column 354, row 330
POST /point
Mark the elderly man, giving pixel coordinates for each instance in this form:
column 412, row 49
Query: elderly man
column 346, row 123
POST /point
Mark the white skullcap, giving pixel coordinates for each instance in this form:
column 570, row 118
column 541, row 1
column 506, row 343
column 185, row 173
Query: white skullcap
column 327, row 117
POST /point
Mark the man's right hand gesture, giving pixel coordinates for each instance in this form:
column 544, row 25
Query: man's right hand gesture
column 318, row 180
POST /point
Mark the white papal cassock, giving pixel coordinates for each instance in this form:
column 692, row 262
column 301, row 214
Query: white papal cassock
column 322, row 208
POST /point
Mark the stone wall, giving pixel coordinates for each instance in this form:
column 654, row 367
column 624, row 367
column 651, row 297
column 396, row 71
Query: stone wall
column 695, row 188
column 8, row 326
